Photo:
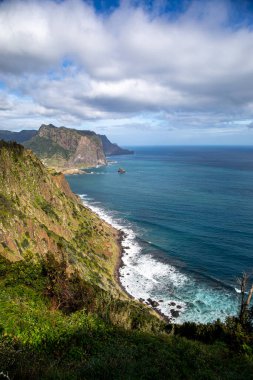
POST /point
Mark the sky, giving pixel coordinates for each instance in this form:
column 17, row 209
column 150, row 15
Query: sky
column 141, row 72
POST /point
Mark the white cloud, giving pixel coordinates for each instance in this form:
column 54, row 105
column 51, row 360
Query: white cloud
column 195, row 69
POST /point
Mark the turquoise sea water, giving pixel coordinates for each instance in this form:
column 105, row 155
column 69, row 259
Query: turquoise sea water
column 188, row 215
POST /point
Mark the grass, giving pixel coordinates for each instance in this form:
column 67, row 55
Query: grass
column 101, row 338
column 46, row 148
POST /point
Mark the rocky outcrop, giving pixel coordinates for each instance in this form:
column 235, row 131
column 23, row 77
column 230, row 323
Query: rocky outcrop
column 153, row 303
column 112, row 149
column 65, row 148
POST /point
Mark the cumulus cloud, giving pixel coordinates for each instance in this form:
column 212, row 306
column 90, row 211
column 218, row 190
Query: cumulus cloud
column 64, row 61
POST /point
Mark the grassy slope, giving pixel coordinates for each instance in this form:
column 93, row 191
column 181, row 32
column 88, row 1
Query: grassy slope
column 43, row 343
column 62, row 315
column 39, row 214
column 51, row 153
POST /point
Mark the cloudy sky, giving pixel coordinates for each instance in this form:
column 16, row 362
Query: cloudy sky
column 143, row 72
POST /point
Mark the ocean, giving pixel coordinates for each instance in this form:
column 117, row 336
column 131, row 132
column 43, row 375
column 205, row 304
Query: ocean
column 188, row 217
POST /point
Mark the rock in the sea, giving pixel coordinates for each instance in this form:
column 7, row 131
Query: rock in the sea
column 152, row 302
column 160, row 300
column 179, row 307
column 172, row 303
column 174, row 313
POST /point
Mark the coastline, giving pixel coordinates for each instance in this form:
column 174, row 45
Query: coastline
column 72, row 171
column 148, row 267
column 119, row 264
column 81, row 170
column 120, row 235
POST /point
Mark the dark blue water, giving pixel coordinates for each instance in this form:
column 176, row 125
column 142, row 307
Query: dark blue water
column 189, row 213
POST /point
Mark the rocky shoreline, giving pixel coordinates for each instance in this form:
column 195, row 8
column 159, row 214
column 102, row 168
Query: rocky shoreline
column 120, row 236
column 151, row 303
column 73, row 171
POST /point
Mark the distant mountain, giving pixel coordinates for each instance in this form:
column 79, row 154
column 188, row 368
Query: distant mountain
column 19, row 137
column 65, row 148
column 112, row 149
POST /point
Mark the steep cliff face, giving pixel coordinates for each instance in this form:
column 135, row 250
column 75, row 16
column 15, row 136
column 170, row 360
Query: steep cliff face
column 39, row 215
column 63, row 148
column 112, row 149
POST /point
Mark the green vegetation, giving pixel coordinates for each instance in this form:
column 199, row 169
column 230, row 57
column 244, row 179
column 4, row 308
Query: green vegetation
column 46, row 148
column 40, row 214
column 56, row 327
column 13, row 147
column 46, row 207
column 62, row 313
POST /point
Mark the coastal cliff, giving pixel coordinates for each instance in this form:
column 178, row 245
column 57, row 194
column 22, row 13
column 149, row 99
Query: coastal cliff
column 65, row 148
column 112, row 149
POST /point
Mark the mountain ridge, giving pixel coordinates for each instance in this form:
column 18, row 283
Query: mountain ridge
column 112, row 149
column 19, row 137
column 66, row 149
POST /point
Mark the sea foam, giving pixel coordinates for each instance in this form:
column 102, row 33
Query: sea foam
column 180, row 296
